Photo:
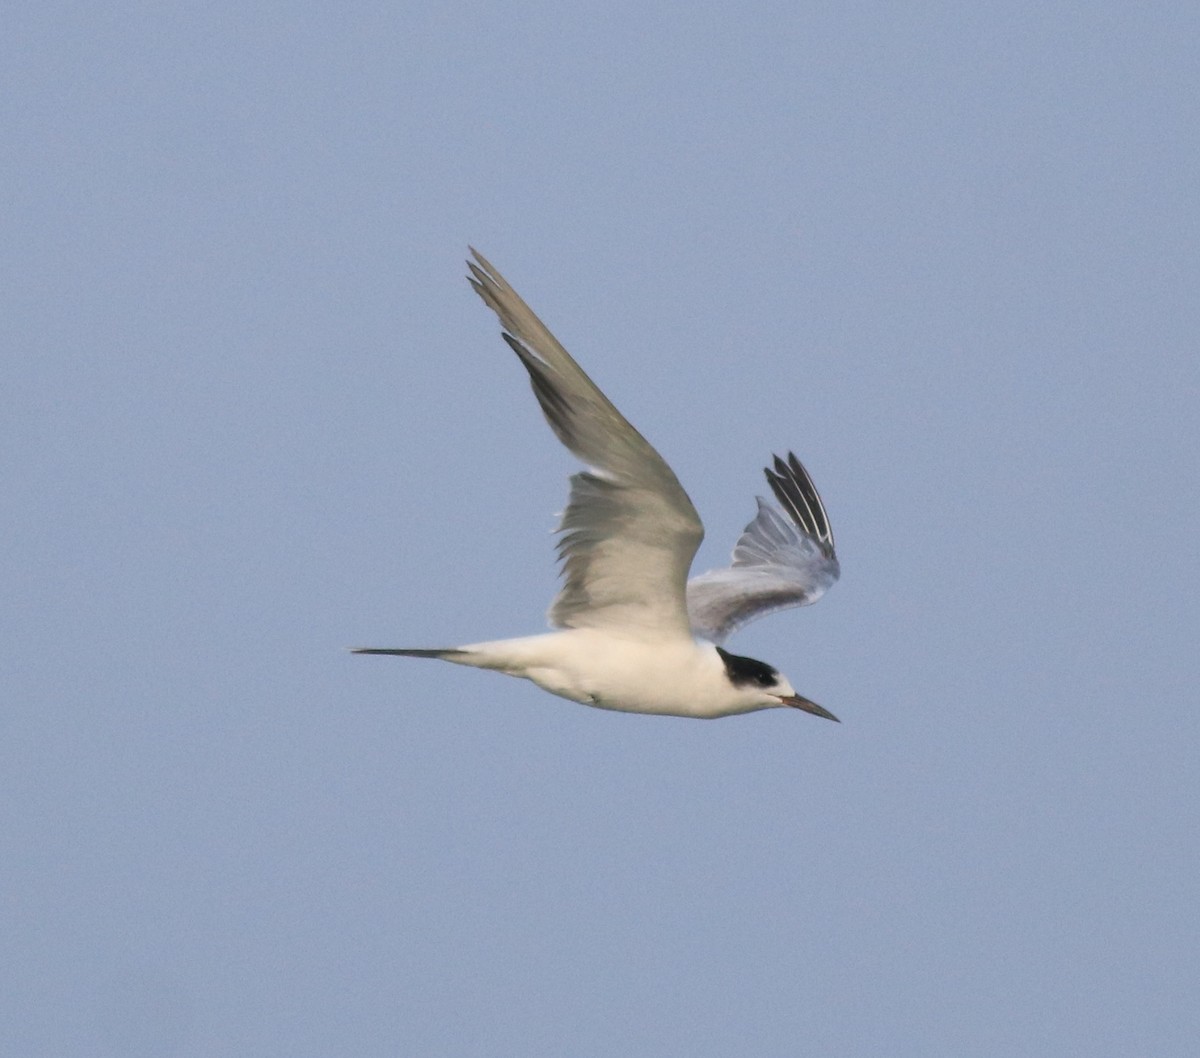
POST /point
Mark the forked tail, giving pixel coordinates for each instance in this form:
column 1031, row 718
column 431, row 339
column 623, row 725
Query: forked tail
column 445, row 653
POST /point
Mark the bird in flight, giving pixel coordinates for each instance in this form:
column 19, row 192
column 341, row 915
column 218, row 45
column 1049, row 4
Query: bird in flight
column 634, row 634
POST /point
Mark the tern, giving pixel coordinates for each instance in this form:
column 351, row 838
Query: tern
column 634, row 633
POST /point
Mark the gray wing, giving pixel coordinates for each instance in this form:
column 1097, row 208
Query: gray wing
column 778, row 562
column 629, row 532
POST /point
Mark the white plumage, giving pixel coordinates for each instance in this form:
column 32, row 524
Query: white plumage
column 635, row 634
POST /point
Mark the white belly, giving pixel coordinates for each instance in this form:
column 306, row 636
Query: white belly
column 676, row 678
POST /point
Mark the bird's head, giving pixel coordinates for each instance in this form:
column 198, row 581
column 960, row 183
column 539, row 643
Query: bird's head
column 768, row 685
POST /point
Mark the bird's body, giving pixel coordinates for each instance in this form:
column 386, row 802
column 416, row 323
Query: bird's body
column 635, row 634
column 671, row 677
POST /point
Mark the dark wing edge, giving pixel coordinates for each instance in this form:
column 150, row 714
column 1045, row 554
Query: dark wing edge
column 794, row 489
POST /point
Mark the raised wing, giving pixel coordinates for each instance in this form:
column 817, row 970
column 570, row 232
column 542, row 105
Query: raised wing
column 778, row 562
column 629, row 532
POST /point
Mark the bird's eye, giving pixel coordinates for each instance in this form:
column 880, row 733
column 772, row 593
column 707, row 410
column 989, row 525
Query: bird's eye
column 765, row 679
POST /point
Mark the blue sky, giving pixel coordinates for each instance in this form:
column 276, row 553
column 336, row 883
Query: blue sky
column 253, row 415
